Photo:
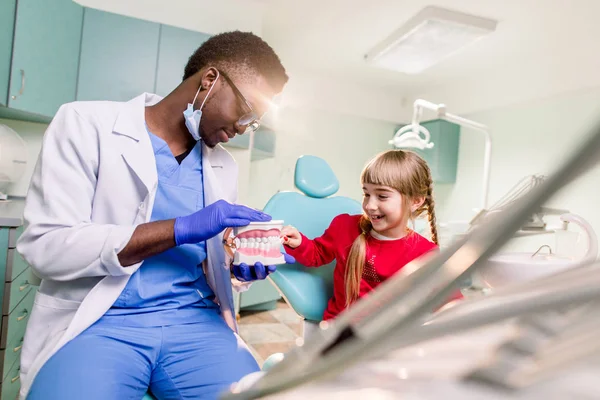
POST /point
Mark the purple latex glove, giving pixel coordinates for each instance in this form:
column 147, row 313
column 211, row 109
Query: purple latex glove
column 210, row 221
column 258, row 271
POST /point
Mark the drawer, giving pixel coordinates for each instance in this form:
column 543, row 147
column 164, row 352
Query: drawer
column 15, row 265
column 13, row 236
column 14, row 324
column 4, row 235
column 3, row 250
column 15, row 291
column 9, row 355
column 12, row 384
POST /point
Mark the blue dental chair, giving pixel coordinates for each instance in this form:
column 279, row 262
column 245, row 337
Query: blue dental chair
column 307, row 290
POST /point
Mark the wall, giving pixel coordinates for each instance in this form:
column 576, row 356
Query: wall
column 346, row 142
column 32, row 133
column 528, row 138
column 362, row 99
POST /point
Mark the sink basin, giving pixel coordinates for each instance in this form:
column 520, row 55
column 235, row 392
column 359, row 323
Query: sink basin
column 509, row 268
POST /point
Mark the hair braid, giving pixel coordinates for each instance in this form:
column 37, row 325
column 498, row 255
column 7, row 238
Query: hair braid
column 430, row 203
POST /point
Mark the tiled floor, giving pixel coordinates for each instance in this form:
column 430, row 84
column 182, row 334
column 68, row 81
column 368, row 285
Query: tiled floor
column 268, row 332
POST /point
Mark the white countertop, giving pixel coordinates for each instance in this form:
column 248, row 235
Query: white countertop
column 11, row 212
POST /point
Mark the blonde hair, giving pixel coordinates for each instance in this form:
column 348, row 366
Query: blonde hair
column 410, row 175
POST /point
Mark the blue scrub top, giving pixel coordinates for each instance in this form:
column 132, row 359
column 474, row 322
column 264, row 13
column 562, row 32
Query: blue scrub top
column 171, row 287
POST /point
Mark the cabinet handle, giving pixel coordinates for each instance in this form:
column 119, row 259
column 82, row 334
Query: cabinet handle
column 18, row 347
column 22, row 85
column 24, row 286
column 13, row 380
column 22, row 317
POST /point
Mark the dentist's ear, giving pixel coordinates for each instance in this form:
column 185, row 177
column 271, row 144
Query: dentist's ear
column 209, row 78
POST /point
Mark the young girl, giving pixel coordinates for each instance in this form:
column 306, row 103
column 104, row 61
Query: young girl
column 370, row 248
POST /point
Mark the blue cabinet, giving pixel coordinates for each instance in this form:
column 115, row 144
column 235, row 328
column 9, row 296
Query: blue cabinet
column 443, row 157
column 118, row 56
column 17, row 292
column 54, row 52
column 7, row 26
column 45, row 55
column 264, row 143
column 175, row 47
column 239, row 142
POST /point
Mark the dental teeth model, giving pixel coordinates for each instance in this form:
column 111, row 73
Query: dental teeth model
column 257, row 242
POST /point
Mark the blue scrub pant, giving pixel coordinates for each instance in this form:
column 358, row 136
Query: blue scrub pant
column 108, row 361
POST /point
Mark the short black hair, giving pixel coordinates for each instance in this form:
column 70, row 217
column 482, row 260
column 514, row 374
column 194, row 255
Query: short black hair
column 241, row 54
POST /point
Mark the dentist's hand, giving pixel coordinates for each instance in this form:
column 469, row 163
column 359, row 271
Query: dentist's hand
column 258, row 271
column 208, row 222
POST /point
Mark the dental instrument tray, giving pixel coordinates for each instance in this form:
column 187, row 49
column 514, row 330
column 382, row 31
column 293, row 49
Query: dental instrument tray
column 257, row 242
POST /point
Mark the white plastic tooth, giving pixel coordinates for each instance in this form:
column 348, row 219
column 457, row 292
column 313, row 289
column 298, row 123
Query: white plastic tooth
column 243, row 242
column 251, row 240
column 264, row 239
column 262, row 246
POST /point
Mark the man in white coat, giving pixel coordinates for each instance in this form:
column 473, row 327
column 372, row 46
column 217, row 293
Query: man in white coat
column 124, row 219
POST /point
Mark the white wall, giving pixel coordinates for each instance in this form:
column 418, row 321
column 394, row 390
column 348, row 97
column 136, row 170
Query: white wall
column 528, row 138
column 362, row 99
column 32, row 133
column 345, row 142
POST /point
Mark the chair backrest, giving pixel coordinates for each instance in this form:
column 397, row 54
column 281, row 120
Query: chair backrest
column 307, row 290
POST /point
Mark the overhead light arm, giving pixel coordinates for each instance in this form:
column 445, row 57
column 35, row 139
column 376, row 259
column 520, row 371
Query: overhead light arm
column 440, row 109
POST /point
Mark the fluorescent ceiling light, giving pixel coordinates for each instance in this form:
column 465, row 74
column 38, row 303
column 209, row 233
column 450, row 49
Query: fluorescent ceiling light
column 428, row 38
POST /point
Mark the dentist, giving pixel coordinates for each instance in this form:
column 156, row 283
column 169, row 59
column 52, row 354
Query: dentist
column 124, row 219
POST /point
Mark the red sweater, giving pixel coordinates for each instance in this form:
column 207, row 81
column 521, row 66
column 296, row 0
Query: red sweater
column 384, row 257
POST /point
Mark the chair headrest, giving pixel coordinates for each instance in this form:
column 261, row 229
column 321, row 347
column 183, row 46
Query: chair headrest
column 314, row 177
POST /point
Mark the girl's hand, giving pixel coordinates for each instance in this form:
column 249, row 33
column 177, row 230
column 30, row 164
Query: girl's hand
column 290, row 236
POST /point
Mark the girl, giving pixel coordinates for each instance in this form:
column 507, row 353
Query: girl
column 370, row 248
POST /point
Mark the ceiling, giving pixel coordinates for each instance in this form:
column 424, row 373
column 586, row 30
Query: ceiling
column 540, row 48
column 549, row 46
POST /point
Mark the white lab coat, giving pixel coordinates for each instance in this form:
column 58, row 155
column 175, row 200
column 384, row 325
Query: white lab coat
column 95, row 180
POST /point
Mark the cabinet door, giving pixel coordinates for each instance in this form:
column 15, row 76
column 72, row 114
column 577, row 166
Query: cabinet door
column 442, row 158
column 7, row 24
column 45, row 55
column 175, row 48
column 118, row 56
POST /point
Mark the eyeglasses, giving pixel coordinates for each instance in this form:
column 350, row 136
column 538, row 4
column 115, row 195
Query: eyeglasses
column 250, row 119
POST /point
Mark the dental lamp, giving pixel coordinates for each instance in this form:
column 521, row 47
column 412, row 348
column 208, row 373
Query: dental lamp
column 416, row 136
